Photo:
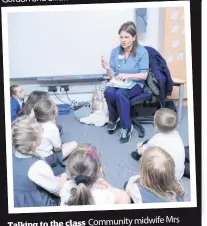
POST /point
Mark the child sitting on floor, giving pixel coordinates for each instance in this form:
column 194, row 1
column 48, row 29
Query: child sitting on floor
column 33, row 98
column 157, row 181
column 85, row 186
column 51, row 147
column 168, row 138
column 16, row 100
column 34, row 183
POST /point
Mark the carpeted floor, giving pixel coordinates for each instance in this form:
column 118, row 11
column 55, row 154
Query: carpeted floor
column 115, row 157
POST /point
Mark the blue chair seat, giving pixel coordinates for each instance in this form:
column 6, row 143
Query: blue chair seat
column 140, row 98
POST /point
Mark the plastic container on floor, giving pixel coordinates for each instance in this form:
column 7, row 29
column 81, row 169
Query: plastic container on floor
column 63, row 109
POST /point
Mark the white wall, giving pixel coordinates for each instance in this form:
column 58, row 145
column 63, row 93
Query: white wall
column 57, row 62
column 62, row 42
column 151, row 37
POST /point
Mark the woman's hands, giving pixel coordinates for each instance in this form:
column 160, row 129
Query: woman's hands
column 105, row 64
column 122, row 77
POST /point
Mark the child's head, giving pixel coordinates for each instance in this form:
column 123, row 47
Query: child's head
column 45, row 110
column 84, row 167
column 26, row 135
column 165, row 120
column 17, row 91
column 158, row 171
column 33, row 98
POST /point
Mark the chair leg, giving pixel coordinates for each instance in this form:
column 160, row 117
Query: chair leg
column 180, row 103
column 139, row 127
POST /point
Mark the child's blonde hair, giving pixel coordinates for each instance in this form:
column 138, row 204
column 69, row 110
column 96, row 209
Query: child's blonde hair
column 158, row 173
column 166, row 120
column 25, row 132
column 45, row 110
column 83, row 166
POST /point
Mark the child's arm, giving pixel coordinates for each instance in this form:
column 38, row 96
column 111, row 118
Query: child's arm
column 54, row 137
column 63, row 179
column 15, row 108
column 139, row 148
column 149, row 143
column 132, row 190
column 41, row 174
column 120, row 196
column 102, row 183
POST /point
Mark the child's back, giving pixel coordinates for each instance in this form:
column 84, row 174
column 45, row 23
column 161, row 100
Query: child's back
column 26, row 192
column 34, row 183
column 103, row 195
column 157, row 182
column 173, row 144
column 51, row 147
column 85, row 187
column 51, row 139
column 168, row 138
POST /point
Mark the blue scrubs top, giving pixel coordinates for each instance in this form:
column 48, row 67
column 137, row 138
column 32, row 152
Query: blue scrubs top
column 133, row 65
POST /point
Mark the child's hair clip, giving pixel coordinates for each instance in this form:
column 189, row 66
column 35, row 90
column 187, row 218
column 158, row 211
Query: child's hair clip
column 92, row 153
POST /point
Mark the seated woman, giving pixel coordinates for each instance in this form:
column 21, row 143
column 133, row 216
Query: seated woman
column 129, row 61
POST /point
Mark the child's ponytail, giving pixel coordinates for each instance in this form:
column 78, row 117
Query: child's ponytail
column 83, row 168
column 81, row 195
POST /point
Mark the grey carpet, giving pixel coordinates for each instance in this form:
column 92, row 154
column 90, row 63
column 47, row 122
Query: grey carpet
column 115, row 157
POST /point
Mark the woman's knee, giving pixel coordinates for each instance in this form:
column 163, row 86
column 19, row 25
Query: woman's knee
column 120, row 94
column 110, row 93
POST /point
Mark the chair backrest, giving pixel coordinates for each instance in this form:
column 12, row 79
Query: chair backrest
column 151, row 84
column 159, row 68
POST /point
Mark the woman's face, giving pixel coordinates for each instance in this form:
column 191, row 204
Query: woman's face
column 126, row 39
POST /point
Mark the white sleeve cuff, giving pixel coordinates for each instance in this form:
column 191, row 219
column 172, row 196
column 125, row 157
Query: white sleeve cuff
column 41, row 174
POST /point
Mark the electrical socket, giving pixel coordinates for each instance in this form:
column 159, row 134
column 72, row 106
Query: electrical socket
column 52, row 88
column 65, row 88
column 83, row 103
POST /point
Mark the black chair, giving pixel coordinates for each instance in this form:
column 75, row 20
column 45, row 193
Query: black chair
column 144, row 106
